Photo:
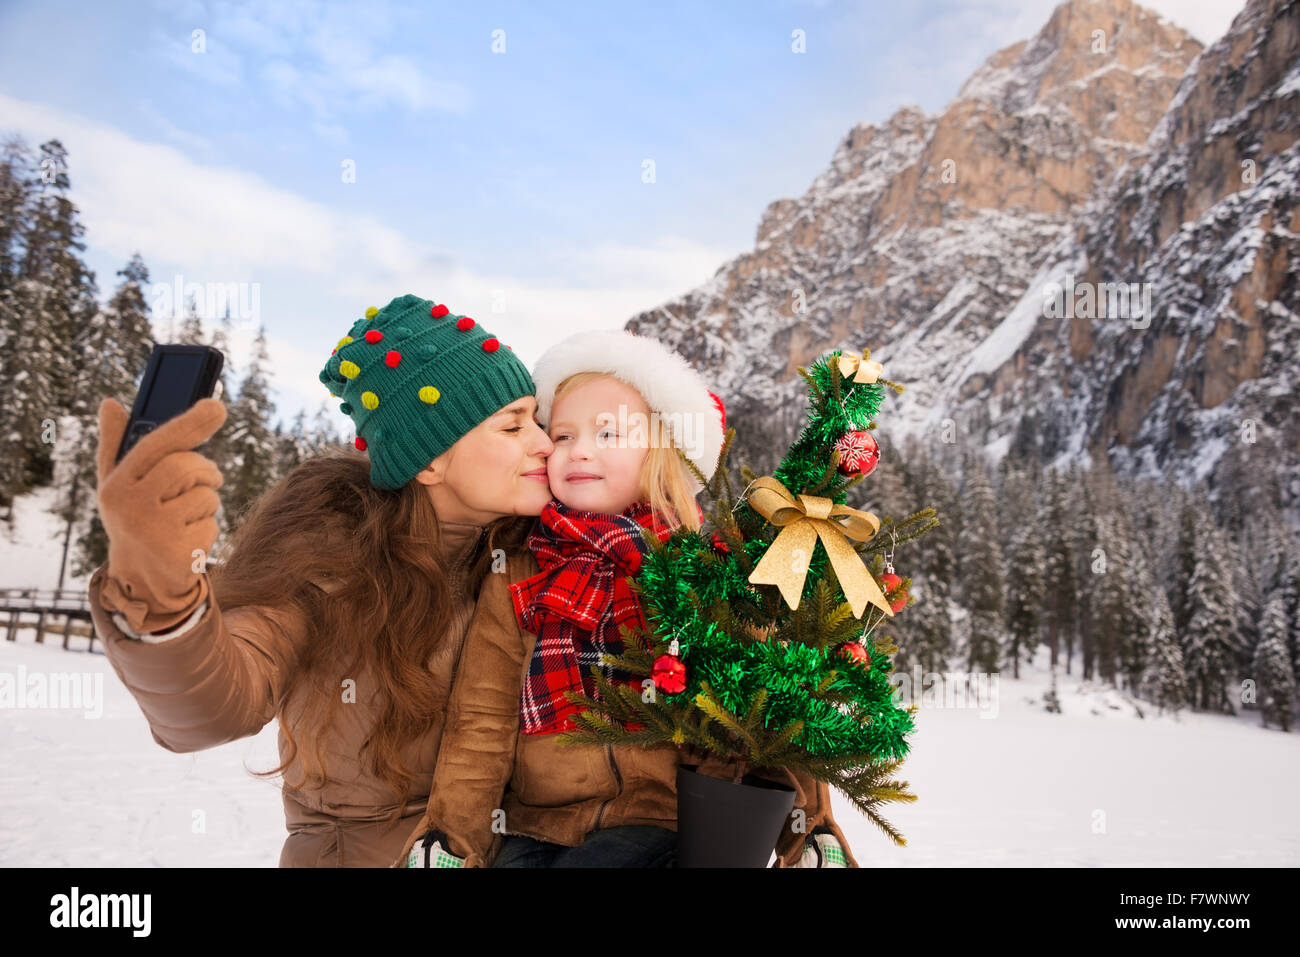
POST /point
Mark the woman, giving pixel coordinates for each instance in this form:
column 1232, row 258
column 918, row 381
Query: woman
column 348, row 588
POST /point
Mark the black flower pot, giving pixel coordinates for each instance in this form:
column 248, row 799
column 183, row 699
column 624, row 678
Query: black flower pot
column 723, row 824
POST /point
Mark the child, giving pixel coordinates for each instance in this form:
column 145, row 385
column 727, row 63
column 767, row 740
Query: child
column 618, row 407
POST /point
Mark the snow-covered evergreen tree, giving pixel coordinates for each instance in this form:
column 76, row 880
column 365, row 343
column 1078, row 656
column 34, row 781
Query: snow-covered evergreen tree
column 1184, row 562
column 1210, row 643
column 982, row 571
column 926, row 632
column 1275, row 685
column 51, row 298
column 116, row 345
column 1026, row 582
column 1061, row 559
column 1165, row 680
column 250, row 466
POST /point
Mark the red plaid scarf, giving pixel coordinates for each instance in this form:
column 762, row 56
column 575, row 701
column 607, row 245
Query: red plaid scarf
column 576, row 604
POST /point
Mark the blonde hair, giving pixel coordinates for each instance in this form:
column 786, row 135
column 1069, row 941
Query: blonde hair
column 665, row 478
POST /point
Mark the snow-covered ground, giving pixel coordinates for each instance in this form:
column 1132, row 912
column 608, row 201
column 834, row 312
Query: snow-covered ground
column 29, row 558
column 1093, row 786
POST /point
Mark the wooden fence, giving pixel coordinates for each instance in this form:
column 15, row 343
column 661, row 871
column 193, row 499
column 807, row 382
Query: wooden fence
column 65, row 612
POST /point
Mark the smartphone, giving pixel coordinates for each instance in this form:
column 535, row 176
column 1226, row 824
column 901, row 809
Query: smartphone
column 175, row 378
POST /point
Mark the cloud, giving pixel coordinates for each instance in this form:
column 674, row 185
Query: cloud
column 333, row 58
column 220, row 224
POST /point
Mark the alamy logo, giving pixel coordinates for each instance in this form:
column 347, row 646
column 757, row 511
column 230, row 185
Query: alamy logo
column 55, row 689
column 1103, row 300
column 637, row 430
column 102, row 910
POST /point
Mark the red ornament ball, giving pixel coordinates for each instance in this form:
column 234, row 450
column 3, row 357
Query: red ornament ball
column 464, row 323
column 670, row 674
column 859, row 453
column 373, row 336
column 853, row 652
column 491, row 344
column 439, row 311
column 360, row 443
column 892, row 581
column 392, row 358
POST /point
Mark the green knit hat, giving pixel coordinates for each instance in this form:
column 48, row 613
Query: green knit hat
column 415, row 377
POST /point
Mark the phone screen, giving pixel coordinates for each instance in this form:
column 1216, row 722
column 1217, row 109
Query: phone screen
column 173, row 387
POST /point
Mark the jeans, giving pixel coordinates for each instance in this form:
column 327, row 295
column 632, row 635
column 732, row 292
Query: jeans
column 632, row 845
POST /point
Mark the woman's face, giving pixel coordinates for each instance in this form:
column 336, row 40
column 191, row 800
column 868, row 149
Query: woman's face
column 597, row 461
column 498, row 468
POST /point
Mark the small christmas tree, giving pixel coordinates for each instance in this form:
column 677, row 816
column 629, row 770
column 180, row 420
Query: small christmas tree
column 764, row 649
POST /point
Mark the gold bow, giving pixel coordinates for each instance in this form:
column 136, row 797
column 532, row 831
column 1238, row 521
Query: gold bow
column 860, row 367
column 802, row 522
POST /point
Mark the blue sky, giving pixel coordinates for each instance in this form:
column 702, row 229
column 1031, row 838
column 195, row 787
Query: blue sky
column 498, row 172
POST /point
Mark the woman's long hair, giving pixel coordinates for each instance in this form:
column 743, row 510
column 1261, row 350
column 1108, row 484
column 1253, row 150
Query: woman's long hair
column 389, row 613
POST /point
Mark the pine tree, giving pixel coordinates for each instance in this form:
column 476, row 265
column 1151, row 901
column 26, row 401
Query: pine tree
column 1288, row 589
column 982, row 574
column 925, row 637
column 1165, row 680
column 120, row 339
column 1210, row 642
column 249, row 470
column 1025, row 593
column 1185, row 564
column 16, row 187
column 1061, row 557
column 1096, row 582
column 191, row 331
column 52, row 297
column 1274, row 681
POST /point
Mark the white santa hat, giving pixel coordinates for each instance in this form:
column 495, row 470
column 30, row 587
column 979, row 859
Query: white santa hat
column 694, row 416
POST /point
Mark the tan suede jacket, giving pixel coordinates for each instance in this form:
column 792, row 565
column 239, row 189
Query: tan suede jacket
column 225, row 679
column 556, row 793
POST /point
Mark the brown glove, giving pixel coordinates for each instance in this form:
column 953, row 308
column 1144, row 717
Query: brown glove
column 157, row 507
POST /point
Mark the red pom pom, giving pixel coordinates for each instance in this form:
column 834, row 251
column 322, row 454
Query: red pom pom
column 859, row 453
column 464, row 323
column 852, row 652
column 892, row 581
column 392, row 358
column 332, row 351
column 491, row 345
column 374, row 335
column 439, row 311
column 669, row 674
column 360, row 443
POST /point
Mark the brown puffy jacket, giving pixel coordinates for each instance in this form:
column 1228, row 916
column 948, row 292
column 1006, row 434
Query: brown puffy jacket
column 557, row 793
column 226, row 678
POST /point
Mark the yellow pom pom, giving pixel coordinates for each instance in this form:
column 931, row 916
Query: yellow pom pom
column 370, row 400
column 349, row 370
column 343, row 342
column 372, row 312
column 429, row 394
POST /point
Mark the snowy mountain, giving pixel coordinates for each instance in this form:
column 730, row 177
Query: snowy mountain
column 1109, row 148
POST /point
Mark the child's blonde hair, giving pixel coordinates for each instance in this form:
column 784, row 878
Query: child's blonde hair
column 665, row 478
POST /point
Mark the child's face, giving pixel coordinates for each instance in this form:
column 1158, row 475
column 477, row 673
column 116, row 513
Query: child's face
column 594, row 467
